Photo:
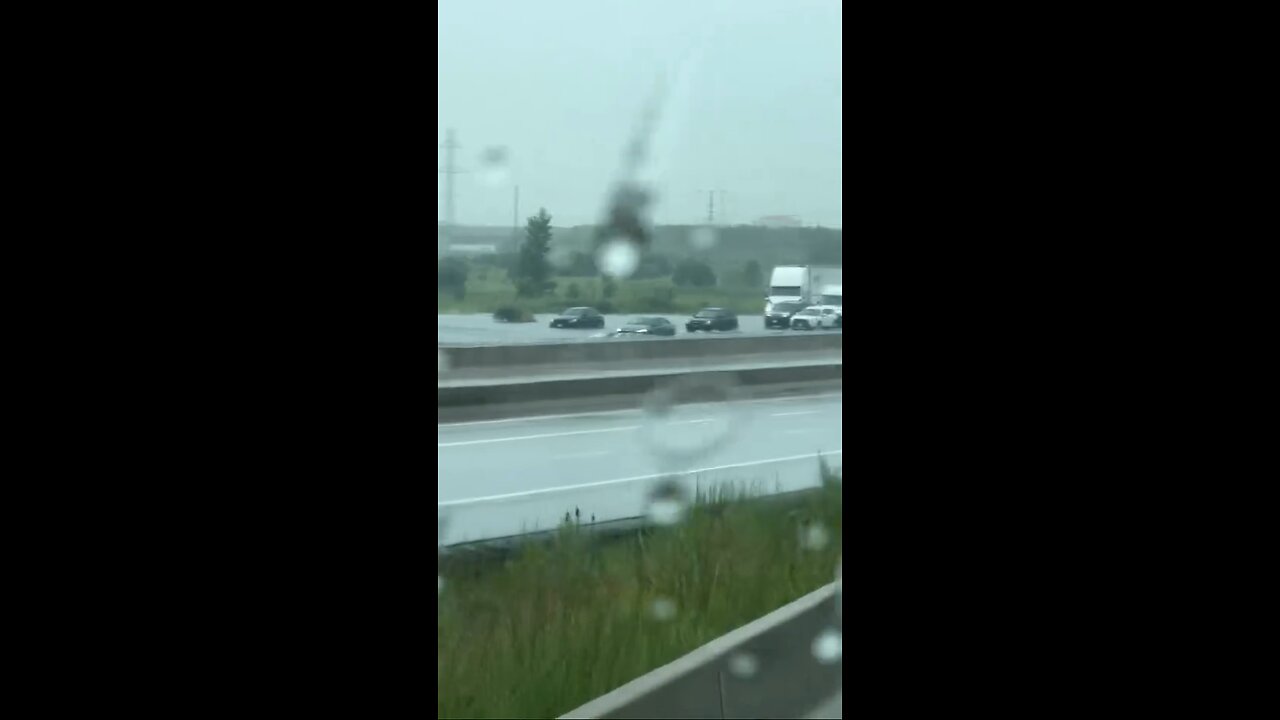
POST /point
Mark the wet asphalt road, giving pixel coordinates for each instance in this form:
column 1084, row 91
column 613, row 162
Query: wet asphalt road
column 482, row 330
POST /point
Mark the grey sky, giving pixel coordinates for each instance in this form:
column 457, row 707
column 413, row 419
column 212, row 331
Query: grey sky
column 754, row 106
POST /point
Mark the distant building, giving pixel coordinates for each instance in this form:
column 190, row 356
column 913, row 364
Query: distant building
column 779, row 221
column 464, row 240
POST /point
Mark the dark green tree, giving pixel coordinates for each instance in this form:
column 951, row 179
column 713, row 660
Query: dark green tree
column 581, row 265
column 451, row 277
column 573, row 293
column 693, row 273
column 752, row 274
column 653, row 266
column 532, row 271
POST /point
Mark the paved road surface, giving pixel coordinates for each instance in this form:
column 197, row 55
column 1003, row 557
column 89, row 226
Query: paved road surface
column 482, row 330
column 504, row 477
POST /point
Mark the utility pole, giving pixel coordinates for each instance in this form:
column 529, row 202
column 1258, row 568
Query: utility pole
column 450, row 172
column 711, row 207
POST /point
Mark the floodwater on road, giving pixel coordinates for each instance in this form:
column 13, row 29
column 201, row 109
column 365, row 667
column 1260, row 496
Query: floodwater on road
column 483, row 330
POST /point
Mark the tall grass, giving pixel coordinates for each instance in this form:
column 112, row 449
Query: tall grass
column 564, row 622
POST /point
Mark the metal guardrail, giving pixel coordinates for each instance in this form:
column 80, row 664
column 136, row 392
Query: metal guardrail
column 787, row 680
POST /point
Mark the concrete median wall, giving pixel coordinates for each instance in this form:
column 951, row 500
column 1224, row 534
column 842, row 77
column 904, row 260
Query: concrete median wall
column 788, row 681
column 501, row 399
column 619, row 350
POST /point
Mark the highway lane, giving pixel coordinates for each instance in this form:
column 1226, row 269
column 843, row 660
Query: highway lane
column 482, row 330
column 504, row 477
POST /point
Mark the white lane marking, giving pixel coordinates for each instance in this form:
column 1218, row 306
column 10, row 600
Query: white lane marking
column 579, row 456
column 562, row 434
column 536, row 418
column 537, row 437
column 791, row 414
column 619, row 481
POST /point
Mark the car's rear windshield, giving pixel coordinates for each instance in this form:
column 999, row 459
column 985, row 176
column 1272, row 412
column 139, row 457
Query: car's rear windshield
column 647, row 321
column 809, row 311
column 576, row 311
column 709, row 313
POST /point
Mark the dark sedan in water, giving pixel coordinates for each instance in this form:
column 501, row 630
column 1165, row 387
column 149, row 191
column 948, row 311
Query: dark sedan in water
column 648, row 326
column 712, row 319
column 779, row 314
column 579, row 317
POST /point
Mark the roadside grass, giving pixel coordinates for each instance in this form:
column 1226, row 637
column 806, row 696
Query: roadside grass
column 562, row 622
column 487, row 291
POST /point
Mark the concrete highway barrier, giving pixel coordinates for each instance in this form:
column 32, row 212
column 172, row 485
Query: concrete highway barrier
column 607, row 350
column 473, row 401
column 768, row 669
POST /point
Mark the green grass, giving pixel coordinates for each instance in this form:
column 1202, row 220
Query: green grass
column 563, row 622
column 487, row 291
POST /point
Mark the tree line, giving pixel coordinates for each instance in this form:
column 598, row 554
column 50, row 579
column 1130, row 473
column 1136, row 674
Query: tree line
column 531, row 270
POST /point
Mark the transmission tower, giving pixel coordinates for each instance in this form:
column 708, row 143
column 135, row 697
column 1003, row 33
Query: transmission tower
column 450, row 172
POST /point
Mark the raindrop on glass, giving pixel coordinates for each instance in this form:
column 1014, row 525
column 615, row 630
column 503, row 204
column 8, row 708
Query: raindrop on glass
column 744, row 665
column 667, row 503
column 494, row 165
column 814, row 537
column 618, row 258
column 828, row 647
column 666, row 512
column 663, row 609
column 703, row 238
column 691, row 416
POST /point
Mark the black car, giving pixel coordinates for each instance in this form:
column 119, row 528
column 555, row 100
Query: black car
column 779, row 315
column 579, row 317
column 712, row 319
column 648, row 326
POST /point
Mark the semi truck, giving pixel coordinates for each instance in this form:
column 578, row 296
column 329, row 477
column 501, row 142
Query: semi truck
column 801, row 283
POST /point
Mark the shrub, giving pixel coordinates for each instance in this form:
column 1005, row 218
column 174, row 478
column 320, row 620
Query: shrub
column 513, row 314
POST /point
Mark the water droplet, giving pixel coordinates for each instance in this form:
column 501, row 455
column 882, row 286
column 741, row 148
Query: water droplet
column 680, row 432
column 663, row 609
column 828, row 647
column 495, row 166
column 667, row 502
column 495, row 177
column 618, row 258
column 744, row 665
column 814, row 537
column 439, row 585
column 666, row 512
column 494, row 155
column 703, row 238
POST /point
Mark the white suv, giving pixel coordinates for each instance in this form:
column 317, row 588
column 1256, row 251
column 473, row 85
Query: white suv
column 813, row 318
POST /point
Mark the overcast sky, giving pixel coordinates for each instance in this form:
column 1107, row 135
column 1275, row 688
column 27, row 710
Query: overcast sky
column 753, row 105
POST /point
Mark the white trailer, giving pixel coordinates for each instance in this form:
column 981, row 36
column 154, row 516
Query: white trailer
column 801, row 283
